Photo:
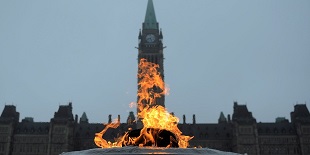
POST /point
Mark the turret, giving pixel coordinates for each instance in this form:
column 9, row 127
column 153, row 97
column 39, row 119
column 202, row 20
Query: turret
column 184, row 119
column 194, row 119
column 222, row 118
column 110, row 119
column 131, row 118
column 84, row 118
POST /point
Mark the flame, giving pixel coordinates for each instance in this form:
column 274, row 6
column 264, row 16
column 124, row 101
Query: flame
column 158, row 117
column 151, row 85
column 100, row 142
column 132, row 104
column 155, row 118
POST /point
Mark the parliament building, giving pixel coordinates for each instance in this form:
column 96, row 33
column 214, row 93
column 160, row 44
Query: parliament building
column 239, row 133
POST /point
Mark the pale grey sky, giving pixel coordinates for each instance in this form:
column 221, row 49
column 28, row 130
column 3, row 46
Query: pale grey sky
column 254, row 52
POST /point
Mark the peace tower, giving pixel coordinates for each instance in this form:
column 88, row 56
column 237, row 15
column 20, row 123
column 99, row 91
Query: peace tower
column 151, row 45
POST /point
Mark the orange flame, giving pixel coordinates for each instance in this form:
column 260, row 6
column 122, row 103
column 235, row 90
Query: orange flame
column 151, row 85
column 155, row 118
column 100, row 142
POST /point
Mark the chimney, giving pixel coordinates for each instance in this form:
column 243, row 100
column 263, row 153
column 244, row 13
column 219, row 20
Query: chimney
column 194, row 119
column 118, row 118
column 110, row 118
column 228, row 118
column 184, row 119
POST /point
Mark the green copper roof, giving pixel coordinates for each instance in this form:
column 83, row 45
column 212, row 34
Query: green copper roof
column 150, row 21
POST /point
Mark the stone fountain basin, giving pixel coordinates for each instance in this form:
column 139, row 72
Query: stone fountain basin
column 149, row 150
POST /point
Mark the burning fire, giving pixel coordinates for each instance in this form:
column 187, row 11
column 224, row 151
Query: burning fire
column 158, row 124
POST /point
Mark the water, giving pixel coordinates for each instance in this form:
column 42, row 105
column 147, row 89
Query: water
column 149, row 150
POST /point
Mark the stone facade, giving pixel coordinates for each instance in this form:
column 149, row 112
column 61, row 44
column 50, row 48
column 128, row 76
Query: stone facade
column 241, row 134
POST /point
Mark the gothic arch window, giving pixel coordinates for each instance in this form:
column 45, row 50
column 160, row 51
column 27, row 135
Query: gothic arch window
column 283, row 130
column 267, row 130
column 275, row 130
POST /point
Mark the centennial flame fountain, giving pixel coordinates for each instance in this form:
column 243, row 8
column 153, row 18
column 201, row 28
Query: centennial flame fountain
column 159, row 134
column 159, row 126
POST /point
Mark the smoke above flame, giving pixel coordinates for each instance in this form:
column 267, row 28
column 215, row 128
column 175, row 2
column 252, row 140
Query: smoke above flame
column 155, row 118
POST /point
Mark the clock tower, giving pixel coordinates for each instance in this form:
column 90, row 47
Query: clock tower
column 151, row 46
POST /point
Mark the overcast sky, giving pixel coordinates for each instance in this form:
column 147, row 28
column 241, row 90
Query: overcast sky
column 255, row 52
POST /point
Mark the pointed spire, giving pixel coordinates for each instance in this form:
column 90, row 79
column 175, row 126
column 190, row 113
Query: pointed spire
column 150, row 21
column 130, row 118
column 222, row 118
column 84, row 118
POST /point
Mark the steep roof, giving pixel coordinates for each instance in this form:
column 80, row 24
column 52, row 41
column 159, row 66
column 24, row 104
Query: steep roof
column 222, row 118
column 84, row 118
column 300, row 114
column 64, row 113
column 242, row 115
column 150, row 21
column 9, row 113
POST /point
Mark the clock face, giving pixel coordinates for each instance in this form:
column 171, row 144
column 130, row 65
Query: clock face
column 150, row 38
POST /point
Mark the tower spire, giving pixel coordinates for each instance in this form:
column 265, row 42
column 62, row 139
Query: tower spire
column 150, row 21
